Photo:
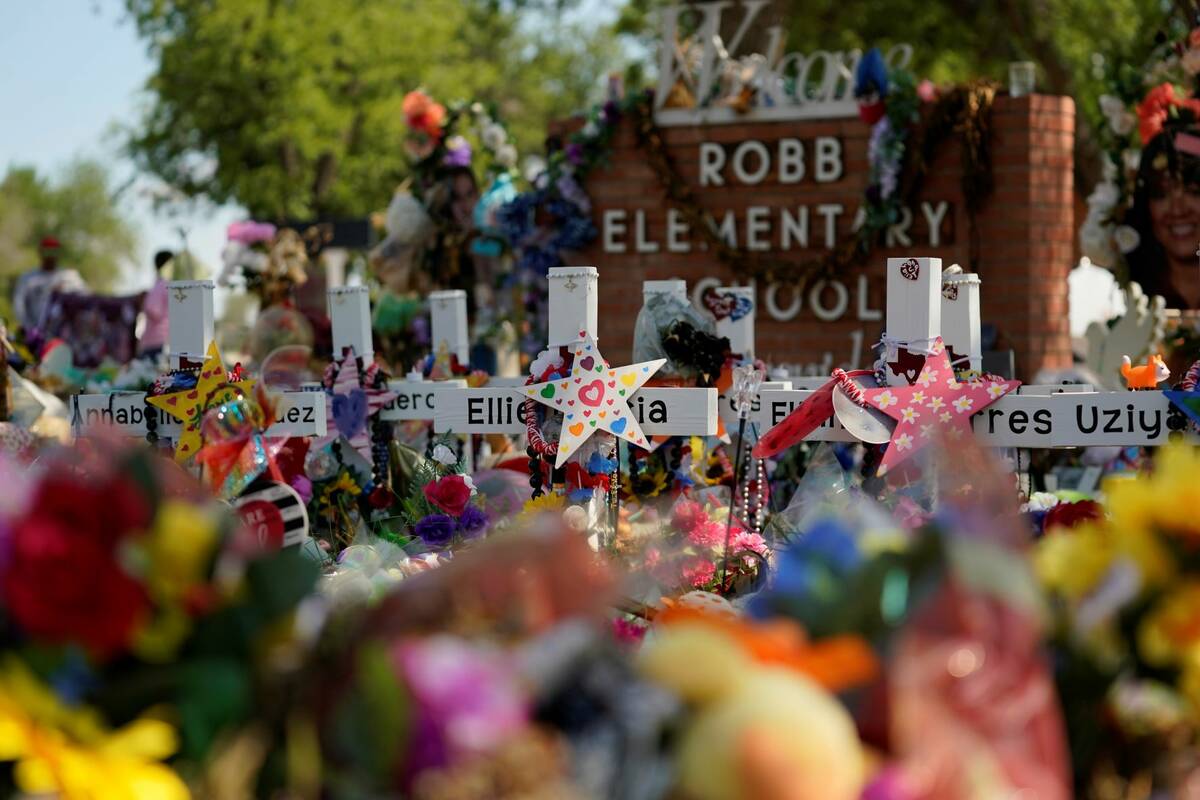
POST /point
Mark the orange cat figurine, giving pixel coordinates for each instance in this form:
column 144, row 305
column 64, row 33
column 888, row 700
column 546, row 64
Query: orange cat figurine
column 1147, row 376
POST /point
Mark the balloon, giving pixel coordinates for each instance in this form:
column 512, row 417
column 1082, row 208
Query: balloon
column 320, row 465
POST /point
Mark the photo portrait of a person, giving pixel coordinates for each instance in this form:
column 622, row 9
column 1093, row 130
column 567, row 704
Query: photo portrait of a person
column 1166, row 216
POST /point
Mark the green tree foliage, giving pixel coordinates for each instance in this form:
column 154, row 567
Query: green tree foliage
column 1074, row 42
column 293, row 107
column 78, row 207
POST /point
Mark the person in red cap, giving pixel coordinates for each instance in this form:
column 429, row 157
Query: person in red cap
column 33, row 289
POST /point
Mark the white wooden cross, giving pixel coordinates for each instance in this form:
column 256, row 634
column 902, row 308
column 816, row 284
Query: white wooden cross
column 1033, row 418
column 574, row 308
column 190, row 331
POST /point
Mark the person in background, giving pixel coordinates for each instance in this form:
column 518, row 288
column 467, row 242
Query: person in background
column 154, row 335
column 33, row 289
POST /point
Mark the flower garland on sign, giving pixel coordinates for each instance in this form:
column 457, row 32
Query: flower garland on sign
column 553, row 218
column 1146, row 115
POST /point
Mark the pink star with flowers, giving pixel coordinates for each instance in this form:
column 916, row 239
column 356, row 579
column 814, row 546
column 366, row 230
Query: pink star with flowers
column 936, row 395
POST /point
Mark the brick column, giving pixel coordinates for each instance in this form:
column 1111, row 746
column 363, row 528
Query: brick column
column 1026, row 230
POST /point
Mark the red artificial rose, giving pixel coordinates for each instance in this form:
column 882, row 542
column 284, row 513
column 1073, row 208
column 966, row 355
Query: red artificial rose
column 62, row 581
column 422, row 114
column 1154, row 110
column 1068, row 515
column 449, row 493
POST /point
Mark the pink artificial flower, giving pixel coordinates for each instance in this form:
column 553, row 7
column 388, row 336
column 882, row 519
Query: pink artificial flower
column 927, row 91
column 687, row 515
column 470, row 695
column 708, row 533
column 698, row 572
column 746, row 541
column 250, row 232
column 628, row 632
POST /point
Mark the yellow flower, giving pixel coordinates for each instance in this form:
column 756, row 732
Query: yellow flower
column 1073, row 562
column 180, row 549
column 1165, row 500
column 541, row 505
column 1171, row 631
column 69, row 752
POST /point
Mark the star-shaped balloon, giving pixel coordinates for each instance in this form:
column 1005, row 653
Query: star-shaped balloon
column 351, row 403
column 936, row 400
column 189, row 405
column 594, row 397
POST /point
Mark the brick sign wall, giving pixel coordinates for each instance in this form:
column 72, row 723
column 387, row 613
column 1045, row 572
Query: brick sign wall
column 792, row 188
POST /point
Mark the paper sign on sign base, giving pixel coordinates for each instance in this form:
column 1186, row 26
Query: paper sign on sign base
column 297, row 414
column 1063, row 419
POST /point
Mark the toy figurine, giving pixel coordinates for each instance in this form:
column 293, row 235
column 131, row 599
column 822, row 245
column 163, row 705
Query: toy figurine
column 1147, row 376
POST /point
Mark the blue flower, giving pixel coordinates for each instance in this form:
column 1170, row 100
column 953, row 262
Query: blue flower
column 473, row 522
column 599, row 465
column 830, row 541
column 436, row 530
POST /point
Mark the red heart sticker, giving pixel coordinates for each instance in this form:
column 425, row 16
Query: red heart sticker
column 592, row 394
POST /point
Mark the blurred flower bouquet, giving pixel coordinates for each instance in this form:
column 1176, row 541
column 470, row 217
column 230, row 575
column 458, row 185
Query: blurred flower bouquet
column 1126, row 594
column 441, row 509
column 139, row 625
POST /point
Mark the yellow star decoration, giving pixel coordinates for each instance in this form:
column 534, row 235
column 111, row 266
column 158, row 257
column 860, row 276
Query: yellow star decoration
column 188, row 406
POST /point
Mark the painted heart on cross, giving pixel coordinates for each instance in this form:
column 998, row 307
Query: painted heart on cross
column 592, row 394
column 719, row 305
column 910, row 269
column 350, row 412
column 587, row 363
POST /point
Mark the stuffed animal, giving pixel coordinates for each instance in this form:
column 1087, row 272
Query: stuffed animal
column 1147, row 376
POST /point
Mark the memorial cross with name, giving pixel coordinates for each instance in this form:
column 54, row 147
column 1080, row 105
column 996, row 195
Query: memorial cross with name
column 1034, row 417
column 573, row 308
column 190, row 331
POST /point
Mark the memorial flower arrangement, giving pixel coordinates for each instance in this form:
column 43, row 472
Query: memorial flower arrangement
column 132, row 602
column 1125, row 598
column 686, row 550
column 442, row 507
column 268, row 261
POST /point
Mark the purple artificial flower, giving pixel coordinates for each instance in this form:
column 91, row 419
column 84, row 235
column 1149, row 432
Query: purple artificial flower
column 574, row 152
column 473, row 522
column 572, row 192
column 458, row 152
column 436, row 530
column 303, row 487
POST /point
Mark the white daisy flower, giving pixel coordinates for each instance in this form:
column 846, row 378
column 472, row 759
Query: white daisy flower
column 918, row 397
column 962, row 404
column 945, row 416
column 904, row 441
column 926, row 431
column 936, row 403
column 926, row 377
column 997, row 390
column 909, row 415
column 886, row 400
